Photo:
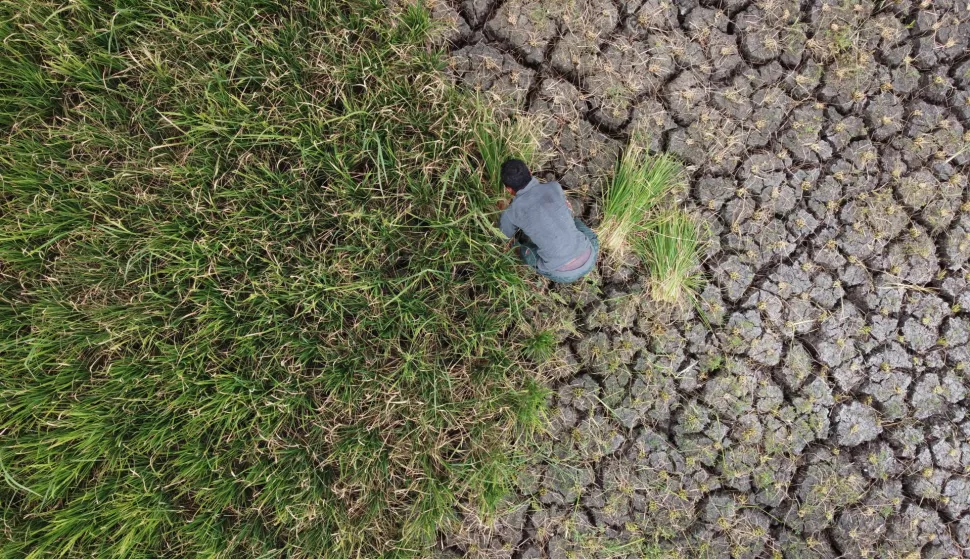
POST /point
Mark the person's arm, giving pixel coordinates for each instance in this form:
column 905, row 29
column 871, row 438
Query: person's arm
column 506, row 225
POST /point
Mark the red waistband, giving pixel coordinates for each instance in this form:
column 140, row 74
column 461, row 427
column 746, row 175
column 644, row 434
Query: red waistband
column 576, row 263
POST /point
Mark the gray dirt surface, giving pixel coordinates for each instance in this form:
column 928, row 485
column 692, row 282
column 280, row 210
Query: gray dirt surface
column 819, row 408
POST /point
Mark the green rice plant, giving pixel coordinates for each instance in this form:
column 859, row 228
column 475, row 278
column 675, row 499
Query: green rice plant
column 639, row 184
column 523, row 138
column 499, row 141
column 246, row 307
column 670, row 247
column 493, row 149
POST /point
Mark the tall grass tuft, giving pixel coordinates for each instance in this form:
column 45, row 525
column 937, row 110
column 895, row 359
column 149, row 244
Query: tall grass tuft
column 670, row 249
column 493, row 149
column 639, row 212
column 499, row 141
column 639, row 184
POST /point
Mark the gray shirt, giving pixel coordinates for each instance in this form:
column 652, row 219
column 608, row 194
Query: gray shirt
column 540, row 210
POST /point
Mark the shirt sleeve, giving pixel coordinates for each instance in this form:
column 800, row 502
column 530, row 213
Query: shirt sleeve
column 505, row 223
column 558, row 189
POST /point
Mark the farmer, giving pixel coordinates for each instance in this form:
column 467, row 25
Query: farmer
column 558, row 246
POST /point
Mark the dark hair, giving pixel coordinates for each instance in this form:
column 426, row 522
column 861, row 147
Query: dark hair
column 515, row 174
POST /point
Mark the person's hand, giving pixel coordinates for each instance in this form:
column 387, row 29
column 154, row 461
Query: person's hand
column 501, row 204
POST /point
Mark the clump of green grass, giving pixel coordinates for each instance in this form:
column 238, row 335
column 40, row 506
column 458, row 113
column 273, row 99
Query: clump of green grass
column 670, row 249
column 246, row 309
column 493, row 149
column 499, row 141
column 639, row 212
column 639, row 184
column 540, row 346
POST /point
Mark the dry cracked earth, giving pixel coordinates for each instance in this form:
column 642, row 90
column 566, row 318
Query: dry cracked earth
column 821, row 408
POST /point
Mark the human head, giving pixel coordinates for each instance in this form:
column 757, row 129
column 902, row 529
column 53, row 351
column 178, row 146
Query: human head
column 515, row 174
